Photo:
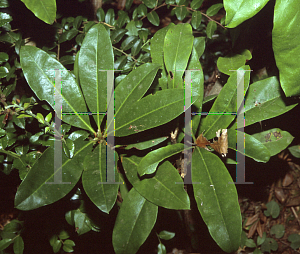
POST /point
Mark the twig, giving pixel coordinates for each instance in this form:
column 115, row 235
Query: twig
column 295, row 214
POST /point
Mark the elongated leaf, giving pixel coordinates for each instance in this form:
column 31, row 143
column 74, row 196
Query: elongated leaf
column 150, row 162
column 181, row 12
column 196, row 19
column 34, row 191
column 153, row 18
column 39, row 71
column 285, row 42
column 253, row 148
column 95, row 59
column 177, row 50
column 44, row 10
column 18, row 245
column 238, row 11
column 146, row 144
column 157, row 53
column 264, row 101
column 151, row 111
column 226, row 102
column 4, row 243
column 214, row 9
column 217, row 199
column 210, row 29
column 134, row 223
column 275, row 140
column 195, row 4
column 133, row 87
column 94, row 174
column 150, row 3
column 199, row 44
column 161, row 189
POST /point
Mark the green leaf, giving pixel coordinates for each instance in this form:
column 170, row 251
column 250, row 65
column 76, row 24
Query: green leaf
column 177, row 50
column 44, row 10
column 134, row 223
column 196, row 20
column 157, row 47
column 132, row 88
column 82, row 222
column 238, row 11
column 181, row 12
column 56, row 246
column 5, row 243
column 195, row 4
column 129, row 42
column 278, row 230
column 40, row 117
column 100, row 14
column 110, row 17
column 295, row 151
column 68, row 35
column 151, row 111
column 253, row 147
column 161, row 249
column 132, row 29
column 118, row 34
column 275, row 140
column 142, row 10
column 150, row 162
column 48, row 117
column 250, row 243
column 3, row 72
column 295, row 241
column 166, row 235
column 273, row 209
column 136, row 47
column 264, row 101
column 161, row 189
column 146, row 144
column 63, row 235
column 229, row 63
column 269, row 245
column 3, row 57
column 226, row 102
column 211, row 28
column 217, row 199
column 95, row 59
column 39, row 70
column 214, row 9
column 285, row 38
column 150, row 3
column 94, row 175
column 153, row 18
column 260, row 240
column 34, row 191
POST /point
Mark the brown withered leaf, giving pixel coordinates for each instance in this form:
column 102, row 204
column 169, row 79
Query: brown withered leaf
column 221, row 145
column 202, row 141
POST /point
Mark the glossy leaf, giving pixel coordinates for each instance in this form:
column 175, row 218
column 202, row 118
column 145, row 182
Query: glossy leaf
column 110, row 17
column 150, row 3
column 226, row 102
column 38, row 68
column 134, row 223
column 4, row 18
column 161, row 249
column 196, row 19
column 129, row 42
column 68, row 35
column 100, row 14
column 285, row 45
column 253, row 148
column 157, row 55
column 166, row 235
column 153, row 18
column 229, row 63
column 142, row 10
column 136, row 47
column 4, row 243
column 177, row 50
column 133, row 87
column 195, row 4
column 151, row 111
column 181, row 12
column 210, row 29
column 161, row 189
column 217, row 199
column 82, row 222
column 238, row 11
column 95, row 59
column 150, row 162
column 117, row 35
column 214, row 9
column 146, row 144
column 275, row 140
column 34, row 191
column 94, row 175
column 264, row 101
column 295, row 151
column 44, row 10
